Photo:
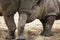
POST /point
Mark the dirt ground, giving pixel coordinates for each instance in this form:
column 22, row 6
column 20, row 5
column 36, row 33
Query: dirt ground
column 32, row 30
column 34, row 35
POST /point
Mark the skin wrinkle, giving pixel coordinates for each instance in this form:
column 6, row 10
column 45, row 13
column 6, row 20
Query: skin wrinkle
column 50, row 7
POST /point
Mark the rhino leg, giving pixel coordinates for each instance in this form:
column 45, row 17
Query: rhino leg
column 9, row 19
column 47, row 25
column 21, row 24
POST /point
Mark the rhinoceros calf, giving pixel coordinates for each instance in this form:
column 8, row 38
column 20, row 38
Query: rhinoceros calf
column 50, row 13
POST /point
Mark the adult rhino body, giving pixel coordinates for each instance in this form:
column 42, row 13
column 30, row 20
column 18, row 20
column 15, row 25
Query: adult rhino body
column 7, row 9
column 27, row 10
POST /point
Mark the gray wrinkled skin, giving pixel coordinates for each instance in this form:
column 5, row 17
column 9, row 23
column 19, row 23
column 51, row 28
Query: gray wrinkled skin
column 47, row 11
column 50, row 7
column 8, row 8
column 28, row 11
column 50, row 13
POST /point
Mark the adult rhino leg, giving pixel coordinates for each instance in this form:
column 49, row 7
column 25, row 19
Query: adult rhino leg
column 43, row 21
column 21, row 24
column 9, row 19
column 47, row 25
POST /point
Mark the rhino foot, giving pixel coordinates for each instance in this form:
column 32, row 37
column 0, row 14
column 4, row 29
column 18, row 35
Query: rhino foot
column 21, row 37
column 10, row 36
column 47, row 34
